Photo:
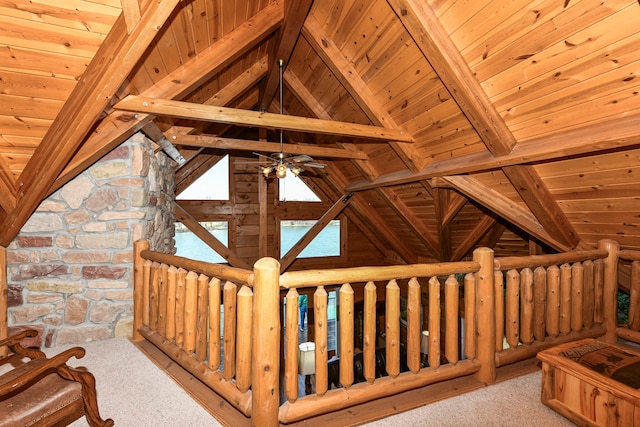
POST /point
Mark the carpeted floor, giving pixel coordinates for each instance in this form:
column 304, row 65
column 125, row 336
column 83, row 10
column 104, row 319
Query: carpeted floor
column 139, row 394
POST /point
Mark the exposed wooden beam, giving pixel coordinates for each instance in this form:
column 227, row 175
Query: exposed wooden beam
column 263, row 208
column 329, row 216
column 192, row 224
column 7, row 188
column 612, row 135
column 313, row 105
column 423, row 25
column 268, row 147
column 295, row 13
column 411, row 220
column 208, row 113
column 119, row 126
column 542, row 204
column 111, row 64
column 472, row 238
column 456, row 203
column 346, row 73
column 441, row 205
column 504, row 207
column 131, row 12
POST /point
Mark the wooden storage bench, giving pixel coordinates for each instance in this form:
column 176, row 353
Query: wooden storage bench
column 592, row 383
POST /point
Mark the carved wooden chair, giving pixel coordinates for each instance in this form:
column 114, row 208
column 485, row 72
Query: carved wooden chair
column 45, row 391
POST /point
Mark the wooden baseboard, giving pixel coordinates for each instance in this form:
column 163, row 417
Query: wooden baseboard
column 227, row 415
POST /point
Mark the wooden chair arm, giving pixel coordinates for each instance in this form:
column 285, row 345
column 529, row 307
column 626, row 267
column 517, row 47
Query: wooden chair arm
column 9, row 383
column 15, row 345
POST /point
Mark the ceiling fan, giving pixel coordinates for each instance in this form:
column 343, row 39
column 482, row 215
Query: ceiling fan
column 282, row 161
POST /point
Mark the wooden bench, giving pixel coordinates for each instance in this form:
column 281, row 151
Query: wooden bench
column 45, row 391
column 592, row 383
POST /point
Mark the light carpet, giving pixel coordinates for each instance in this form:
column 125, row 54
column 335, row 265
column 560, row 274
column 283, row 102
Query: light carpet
column 134, row 392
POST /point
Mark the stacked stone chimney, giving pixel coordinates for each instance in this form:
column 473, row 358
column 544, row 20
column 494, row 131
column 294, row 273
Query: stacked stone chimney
column 70, row 269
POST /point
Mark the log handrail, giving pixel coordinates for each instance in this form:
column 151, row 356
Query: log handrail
column 533, row 261
column 224, row 272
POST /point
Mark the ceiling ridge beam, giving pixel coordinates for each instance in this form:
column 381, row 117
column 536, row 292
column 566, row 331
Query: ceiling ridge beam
column 295, row 13
column 348, row 76
column 106, row 72
column 192, row 111
column 613, row 135
column 425, row 29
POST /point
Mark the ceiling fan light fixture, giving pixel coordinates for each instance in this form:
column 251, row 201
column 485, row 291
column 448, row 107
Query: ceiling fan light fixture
column 281, row 170
column 266, row 171
column 296, row 170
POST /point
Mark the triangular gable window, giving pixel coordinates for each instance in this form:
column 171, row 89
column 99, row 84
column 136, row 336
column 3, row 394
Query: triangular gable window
column 293, row 189
column 212, row 185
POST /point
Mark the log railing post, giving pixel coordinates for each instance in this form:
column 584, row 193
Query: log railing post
column 138, row 288
column 266, row 343
column 485, row 311
column 4, row 303
column 610, row 289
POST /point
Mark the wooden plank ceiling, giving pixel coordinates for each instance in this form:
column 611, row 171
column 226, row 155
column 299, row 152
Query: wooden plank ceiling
column 456, row 123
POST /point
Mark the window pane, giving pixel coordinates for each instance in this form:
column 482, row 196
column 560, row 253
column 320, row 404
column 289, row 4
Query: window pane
column 326, row 243
column 190, row 246
column 293, row 189
column 212, row 185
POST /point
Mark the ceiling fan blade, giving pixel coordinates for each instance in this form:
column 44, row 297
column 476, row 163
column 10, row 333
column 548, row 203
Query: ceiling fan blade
column 302, row 158
column 314, row 165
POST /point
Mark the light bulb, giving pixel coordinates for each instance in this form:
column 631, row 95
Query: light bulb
column 266, row 171
column 296, row 170
column 281, row 170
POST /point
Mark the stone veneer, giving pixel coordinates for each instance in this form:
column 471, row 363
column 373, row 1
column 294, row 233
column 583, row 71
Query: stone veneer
column 70, row 269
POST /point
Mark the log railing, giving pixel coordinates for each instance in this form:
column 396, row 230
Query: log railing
column 545, row 300
column 511, row 308
column 630, row 330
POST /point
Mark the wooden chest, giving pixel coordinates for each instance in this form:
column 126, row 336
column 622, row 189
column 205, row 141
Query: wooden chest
column 592, row 383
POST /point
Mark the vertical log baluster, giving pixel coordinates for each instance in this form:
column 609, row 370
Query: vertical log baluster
column 154, row 295
column 346, row 335
column 539, row 303
column 172, row 284
column 470, row 316
column 202, row 314
column 553, row 301
column 214, row 323
column 577, row 284
column 486, row 327
column 598, row 285
column 244, row 338
column 565, row 298
column 162, row 303
column 392, row 315
column 434, row 322
column 589, row 295
column 369, row 351
column 526, row 305
column 610, row 293
column 229, row 301
column 320, row 302
column 181, row 289
column 291, row 346
column 634, row 297
column 512, row 315
column 190, row 321
column 498, row 286
column 451, row 304
column 146, row 291
column 414, row 328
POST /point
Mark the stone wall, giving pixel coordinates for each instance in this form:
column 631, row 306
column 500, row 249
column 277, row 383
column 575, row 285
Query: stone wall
column 70, row 269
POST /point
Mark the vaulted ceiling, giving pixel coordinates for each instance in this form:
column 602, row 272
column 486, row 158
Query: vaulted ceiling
column 453, row 122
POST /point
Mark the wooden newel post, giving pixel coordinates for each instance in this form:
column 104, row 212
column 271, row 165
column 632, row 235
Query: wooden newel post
column 485, row 311
column 138, row 287
column 266, row 343
column 610, row 289
column 4, row 303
